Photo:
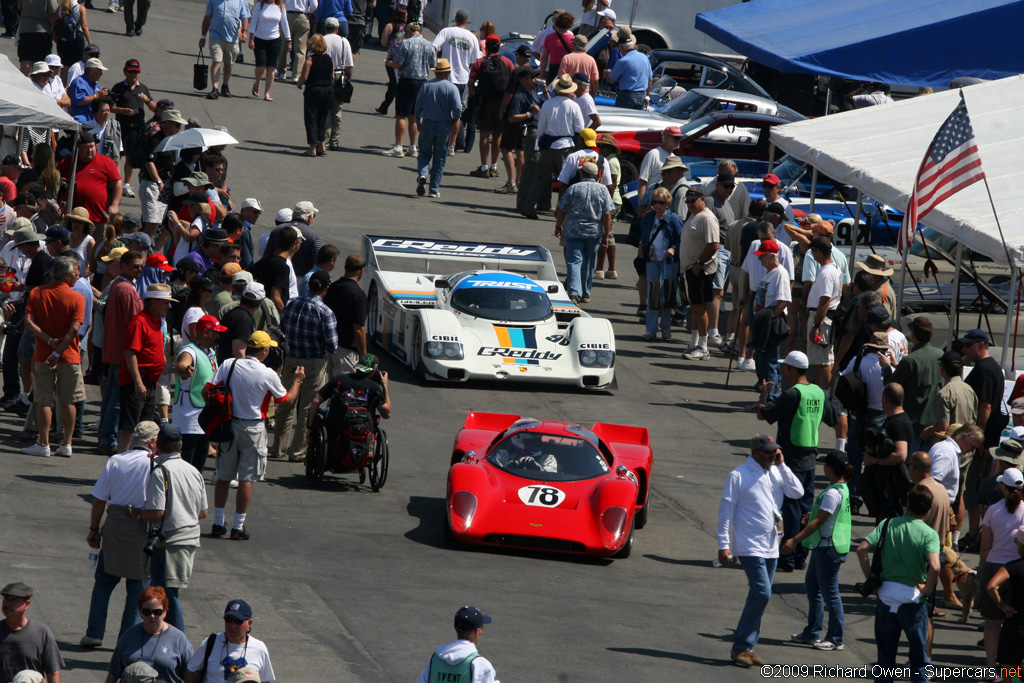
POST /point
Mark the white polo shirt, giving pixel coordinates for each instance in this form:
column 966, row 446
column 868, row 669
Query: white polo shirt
column 253, row 385
column 123, row 479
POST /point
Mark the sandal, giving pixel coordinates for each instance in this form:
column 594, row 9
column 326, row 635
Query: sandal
column 268, row 98
column 256, row 90
column 507, row 189
column 307, row 154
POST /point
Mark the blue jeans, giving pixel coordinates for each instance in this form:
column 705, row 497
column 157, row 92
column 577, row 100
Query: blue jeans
column 175, row 617
column 822, row 584
column 433, row 151
column 793, row 510
column 580, row 259
column 630, row 99
column 110, row 408
column 910, row 618
column 101, row 591
column 857, row 424
column 760, row 572
column 660, row 270
column 766, row 363
column 343, row 28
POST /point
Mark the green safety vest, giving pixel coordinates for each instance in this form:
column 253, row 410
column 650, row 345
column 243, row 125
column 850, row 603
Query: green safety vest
column 443, row 672
column 203, row 374
column 842, row 530
column 803, row 432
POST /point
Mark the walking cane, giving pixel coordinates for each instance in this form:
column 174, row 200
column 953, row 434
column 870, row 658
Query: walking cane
column 728, row 373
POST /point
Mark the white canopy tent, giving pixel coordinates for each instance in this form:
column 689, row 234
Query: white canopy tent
column 878, row 150
column 23, row 104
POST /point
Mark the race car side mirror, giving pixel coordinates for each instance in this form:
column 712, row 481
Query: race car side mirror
column 552, row 289
column 442, row 283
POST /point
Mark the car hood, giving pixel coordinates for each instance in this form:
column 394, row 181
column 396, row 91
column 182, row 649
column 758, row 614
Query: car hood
column 618, row 120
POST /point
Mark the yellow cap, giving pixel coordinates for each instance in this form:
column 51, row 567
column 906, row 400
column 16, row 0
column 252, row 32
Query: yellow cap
column 260, row 340
column 589, row 137
column 115, row 254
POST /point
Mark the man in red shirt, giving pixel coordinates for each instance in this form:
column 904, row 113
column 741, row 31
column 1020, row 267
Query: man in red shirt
column 143, row 362
column 123, row 304
column 53, row 314
column 98, row 184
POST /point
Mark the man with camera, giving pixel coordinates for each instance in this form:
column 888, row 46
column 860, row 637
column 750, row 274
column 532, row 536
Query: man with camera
column 885, row 454
column 175, row 502
column 904, row 572
column 750, row 509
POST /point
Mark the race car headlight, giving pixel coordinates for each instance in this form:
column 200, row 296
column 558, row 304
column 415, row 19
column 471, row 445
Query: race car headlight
column 443, row 350
column 613, row 526
column 463, row 509
column 590, row 358
column 435, row 349
column 453, row 351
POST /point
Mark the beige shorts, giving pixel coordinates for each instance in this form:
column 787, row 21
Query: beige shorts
column 245, row 458
column 65, row 383
column 163, row 395
column 817, row 354
column 223, row 51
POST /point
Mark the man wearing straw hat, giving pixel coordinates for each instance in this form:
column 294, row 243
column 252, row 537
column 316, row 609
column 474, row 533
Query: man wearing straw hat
column 143, row 362
column 559, row 122
column 438, row 108
column 98, row 185
column 876, row 266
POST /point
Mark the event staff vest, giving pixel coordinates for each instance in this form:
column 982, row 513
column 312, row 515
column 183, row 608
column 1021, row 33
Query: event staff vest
column 803, row 432
column 842, row 529
column 443, row 672
column 204, row 373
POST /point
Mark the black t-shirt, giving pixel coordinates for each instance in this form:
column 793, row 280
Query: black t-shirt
column 350, row 306
column 240, row 326
column 898, row 428
column 1016, row 571
column 164, row 161
column 125, row 97
column 272, row 271
column 990, row 491
column 39, row 272
column 987, row 381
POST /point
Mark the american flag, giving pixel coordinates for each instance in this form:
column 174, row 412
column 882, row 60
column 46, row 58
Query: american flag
column 951, row 163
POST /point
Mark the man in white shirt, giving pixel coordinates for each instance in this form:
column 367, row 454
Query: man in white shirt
column 585, row 100
column 773, row 294
column 822, row 303
column 340, row 52
column 538, row 43
column 459, row 660
column 559, row 122
column 650, row 167
column 868, row 95
column 574, row 162
column 750, row 509
column 879, row 320
column 461, row 48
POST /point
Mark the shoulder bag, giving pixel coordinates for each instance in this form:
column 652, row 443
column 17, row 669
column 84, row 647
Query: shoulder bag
column 215, row 418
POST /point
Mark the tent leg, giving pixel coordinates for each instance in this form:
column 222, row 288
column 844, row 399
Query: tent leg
column 1011, row 307
column 828, row 98
column 904, row 266
column 854, row 232
column 954, row 308
column 771, row 156
column 814, row 186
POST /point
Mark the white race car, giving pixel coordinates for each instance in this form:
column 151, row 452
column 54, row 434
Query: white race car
column 457, row 311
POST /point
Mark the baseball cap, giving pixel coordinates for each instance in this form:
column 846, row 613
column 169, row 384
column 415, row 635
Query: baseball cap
column 169, row 430
column 694, row 193
column 229, row 270
column 581, row 77
column 260, row 339
column 674, row 131
column 589, row 137
column 726, row 177
column 115, row 254
column 589, row 169
column 248, row 674
column 251, row 203
column 144, row 431
column 141, row 239
column 835, row 459
column 53, row 60
column 159, row 261
column 303, row 209
column 974, row 336
column 254, row 291
column 283, row 216
column 461, row 16
column 319, row 280
column 607, row 12
column 772, row 179
column 953, row 362
column 368, row 363
column 56, row 233
column 776, row 208
column 188, row 265
column 763, row 442
column 17, row 590
column 131, row 219
column 879, row 315
column 28, row 676
column 242, row 277
column 523, row 50
column 92, row 49
column 164, row 104
column 201, row 283
column 94, row 63
column 797, row 359
column 767, row 247
column 239, row 609
column 1012, row 478
column 132, row 65
column 470, row 619
column 332, row 22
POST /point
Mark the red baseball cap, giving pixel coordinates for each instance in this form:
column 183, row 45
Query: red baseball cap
column 772, row 178
column 209, row 322
column 159, row 261
column 767, row 247
column 492, row 37
column 132, row 65
column 674, row 131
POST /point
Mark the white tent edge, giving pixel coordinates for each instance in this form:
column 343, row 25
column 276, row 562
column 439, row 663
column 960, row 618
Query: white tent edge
column 22, row 104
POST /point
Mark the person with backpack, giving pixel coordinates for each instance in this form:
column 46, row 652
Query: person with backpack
column 461, row 48
column 231, row 649
column 459, row 659
column 195, row 366
column 488, row 80
column 71, row 31
column 244, row 458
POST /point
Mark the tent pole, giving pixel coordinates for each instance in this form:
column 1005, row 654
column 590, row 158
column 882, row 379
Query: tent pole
column 954, row 308
column 904, row 266
column 814, row 186
column 71, row 183
column 1011, row 306
column 828, row 98
column 771, row 156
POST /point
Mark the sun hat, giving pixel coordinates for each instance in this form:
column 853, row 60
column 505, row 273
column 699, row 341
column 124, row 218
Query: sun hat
column 79, row 213
column 607, row 140
column 879, row 341
column 53, row 60
column 25, row 235
column 876, row 265
column 1010, row 450
column 671, row 161
column 302, row 209
column 443, row 66
column 173, row 115
column 158, row 290
column 564, row 84
column 139, row 672
column 40, row 68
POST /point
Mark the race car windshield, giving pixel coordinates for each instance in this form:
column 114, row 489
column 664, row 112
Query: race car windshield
column 548, row 457
column 502, row 303
column 687, row 106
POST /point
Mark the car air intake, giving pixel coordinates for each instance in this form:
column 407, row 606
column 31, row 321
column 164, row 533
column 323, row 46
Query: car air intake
column 456, row 373
column 532, row 543
column 590, row 380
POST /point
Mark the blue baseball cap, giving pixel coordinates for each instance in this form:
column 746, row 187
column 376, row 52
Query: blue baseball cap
column 239, row 609
column 470, row 619
column 974, row 336
column 57, row 233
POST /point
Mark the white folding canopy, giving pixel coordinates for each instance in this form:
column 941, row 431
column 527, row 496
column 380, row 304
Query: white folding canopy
column 878, row 150
column 23, row 104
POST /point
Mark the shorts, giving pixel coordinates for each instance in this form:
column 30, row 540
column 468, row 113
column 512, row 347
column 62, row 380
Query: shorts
column 698, row 287
column 718, row 283
column 245, row 457
column 512, row 135
column 135, row 410
column 163, row 395
column 986, row 606
column 817, row 354
column 153, row 209
column 976, row 471
column 223, row 51
column 405, row 96
column 266, row 52
column 65, row 383
column 611, row 235
column 488, row 114
column 33, row 47
column 735, row 284
column 355, row 36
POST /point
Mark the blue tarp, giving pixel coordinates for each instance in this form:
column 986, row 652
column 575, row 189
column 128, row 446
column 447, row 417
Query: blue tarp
column 910, row 42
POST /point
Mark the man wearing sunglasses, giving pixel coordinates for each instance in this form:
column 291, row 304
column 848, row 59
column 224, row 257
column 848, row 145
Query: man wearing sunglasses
column 698, row 258
column 231, row 652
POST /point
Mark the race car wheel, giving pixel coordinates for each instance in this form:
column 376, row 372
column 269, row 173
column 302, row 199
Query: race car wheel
column 640, row 520
column 416, row 353
column 630, row 164
column 316, row 455
column 371, row 318
column 628, row 547
column 379, row 465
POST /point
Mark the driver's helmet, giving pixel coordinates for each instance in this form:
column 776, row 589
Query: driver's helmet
column 527, row 443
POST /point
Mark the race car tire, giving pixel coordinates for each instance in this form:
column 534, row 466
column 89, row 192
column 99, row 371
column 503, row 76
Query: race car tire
column 628, row 547
column 630, row 165
column 316, row 455
column 416, row 352
column 371, row 317
column 640, row 520
column 378, row 466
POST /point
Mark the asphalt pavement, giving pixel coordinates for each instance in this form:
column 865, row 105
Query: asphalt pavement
column 349, row 585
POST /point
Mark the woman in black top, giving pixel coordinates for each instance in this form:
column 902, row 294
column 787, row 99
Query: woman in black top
column 318, row 76
column 1011, row 636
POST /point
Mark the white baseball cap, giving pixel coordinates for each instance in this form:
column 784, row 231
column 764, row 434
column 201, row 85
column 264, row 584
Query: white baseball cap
column 797, row 359
column 252, row 203
column 254, row 291
column 1012, row 478
column 607, row 12
column 283, row 216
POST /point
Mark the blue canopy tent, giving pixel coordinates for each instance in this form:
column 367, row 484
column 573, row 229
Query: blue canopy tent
column 912, row 42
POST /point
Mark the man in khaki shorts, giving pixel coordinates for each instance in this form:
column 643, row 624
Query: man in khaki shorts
column 53, row 314
column 227, row 22
column 822, row 302
column 252, row 385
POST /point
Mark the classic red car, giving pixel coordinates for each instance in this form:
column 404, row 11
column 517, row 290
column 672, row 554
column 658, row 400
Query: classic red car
column 720, row 135
column 547, row 485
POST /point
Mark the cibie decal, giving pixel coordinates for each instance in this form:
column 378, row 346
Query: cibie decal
column 541, row 496
column 457, row 248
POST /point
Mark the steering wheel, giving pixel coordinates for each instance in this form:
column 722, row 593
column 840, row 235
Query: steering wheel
column 526, row 463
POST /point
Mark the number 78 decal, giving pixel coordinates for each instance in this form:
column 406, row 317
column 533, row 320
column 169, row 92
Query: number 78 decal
column 541, row 496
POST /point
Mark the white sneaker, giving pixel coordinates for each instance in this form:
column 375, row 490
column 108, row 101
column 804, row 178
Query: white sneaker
column 128, row 191
column 746, row 365
column 598, row 274
column 727, row 342
column 716, row 340
column 233, row 484
column 697, row 354
column 37, row 449
column 63, row 451
column 414, row 151
column 397, row 153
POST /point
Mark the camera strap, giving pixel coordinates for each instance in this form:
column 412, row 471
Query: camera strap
column 167, row 499
column 876, row 561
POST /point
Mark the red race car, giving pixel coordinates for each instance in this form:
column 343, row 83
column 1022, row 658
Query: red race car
column 547, row 485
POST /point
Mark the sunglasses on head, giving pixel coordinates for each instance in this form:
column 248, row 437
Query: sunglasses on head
column 152, row 612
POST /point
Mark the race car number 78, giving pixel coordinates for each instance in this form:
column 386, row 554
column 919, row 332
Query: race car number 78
column 541, row 496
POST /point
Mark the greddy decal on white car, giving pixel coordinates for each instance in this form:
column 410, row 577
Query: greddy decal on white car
column 456, row 249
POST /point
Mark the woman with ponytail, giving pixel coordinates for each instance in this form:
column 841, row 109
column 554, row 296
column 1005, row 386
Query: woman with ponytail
column 998, row 548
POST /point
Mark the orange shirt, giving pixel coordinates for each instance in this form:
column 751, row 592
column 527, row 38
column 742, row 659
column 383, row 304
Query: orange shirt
column 54, row 307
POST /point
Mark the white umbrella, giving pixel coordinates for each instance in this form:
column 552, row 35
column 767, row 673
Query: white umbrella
column 195, row 137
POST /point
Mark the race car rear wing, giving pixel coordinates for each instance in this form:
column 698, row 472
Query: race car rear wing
column 476, row 255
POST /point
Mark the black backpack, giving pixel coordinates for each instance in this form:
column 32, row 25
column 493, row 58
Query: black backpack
column 277, row 353
column 851, row 390
column 67, row 27
column 494, row 77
